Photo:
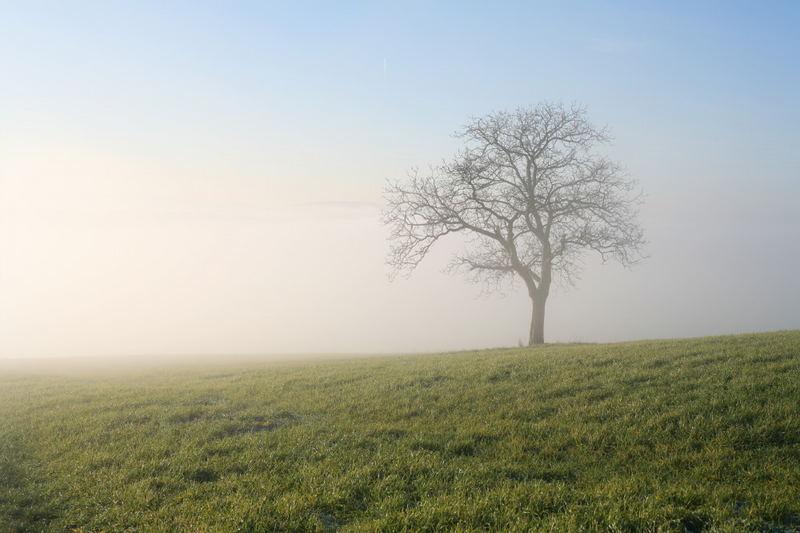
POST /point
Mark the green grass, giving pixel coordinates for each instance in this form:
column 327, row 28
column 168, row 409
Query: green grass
column 685, row 435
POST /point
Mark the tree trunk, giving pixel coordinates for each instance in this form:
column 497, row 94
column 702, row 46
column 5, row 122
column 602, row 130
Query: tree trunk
column 537, row 319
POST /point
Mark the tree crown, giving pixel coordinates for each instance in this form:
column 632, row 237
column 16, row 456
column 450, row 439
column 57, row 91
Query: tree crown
column 530, row 190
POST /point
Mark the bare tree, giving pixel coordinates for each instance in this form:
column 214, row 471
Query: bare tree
column 533, row 196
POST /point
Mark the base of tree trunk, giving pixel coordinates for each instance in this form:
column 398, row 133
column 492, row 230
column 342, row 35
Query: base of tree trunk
column 537, row 321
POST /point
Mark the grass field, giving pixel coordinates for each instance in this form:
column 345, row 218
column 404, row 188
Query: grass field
column 684, row 435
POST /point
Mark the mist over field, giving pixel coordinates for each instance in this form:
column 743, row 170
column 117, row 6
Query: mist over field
column 208, row 180
column 413, row 266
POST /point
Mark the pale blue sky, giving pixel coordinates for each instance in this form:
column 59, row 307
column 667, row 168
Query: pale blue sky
column 162, row 158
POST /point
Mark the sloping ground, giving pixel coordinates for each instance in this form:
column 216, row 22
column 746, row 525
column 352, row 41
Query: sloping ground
column 686, row 435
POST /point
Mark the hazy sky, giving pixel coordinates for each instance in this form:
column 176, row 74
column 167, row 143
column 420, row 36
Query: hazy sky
column 189, row 177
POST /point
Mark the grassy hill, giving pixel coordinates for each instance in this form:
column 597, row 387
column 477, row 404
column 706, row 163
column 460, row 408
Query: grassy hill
column 685, row 435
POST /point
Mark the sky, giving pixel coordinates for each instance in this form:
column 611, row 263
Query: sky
column 206, row 177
